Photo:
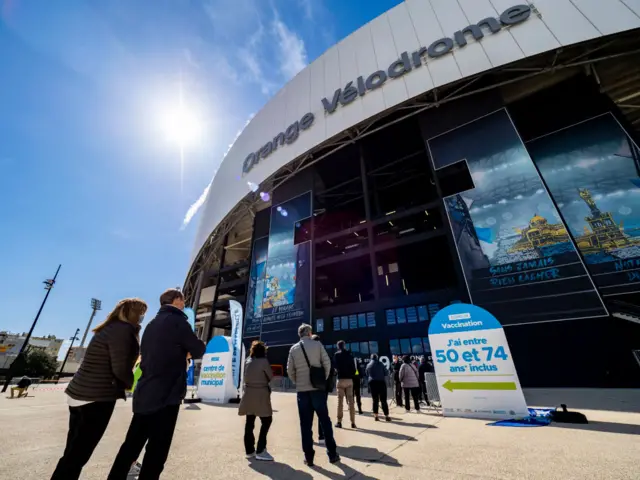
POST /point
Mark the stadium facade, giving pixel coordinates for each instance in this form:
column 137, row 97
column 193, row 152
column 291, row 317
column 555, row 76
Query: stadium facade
column 478, row 151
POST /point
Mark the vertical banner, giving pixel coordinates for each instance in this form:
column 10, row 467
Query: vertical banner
column 592, row 170
column 516, row 254
column 214, row 383
column 191, row 370
column 236, row 340
column 255, row 290
column 473, row 365
column 286, row 292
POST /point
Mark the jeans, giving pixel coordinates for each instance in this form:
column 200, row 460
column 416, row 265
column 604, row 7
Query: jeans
column 86, row 427
column 309, row 402
column 345, row 388
column 250, row 440
column 379, row 394
column 156, row 430
column 320, row 432
column 415, row 393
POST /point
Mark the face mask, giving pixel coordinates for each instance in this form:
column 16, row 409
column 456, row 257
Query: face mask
column 141, row 318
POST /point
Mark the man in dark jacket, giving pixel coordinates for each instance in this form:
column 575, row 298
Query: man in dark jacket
column 346, row 372
column 156, row 401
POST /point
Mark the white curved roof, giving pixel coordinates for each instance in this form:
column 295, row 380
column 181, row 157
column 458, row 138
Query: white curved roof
column 405, row 28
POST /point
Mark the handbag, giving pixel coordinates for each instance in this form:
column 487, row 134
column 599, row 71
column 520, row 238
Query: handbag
column 316, row 374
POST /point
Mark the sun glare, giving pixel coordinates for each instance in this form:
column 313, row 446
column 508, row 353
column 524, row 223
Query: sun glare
column 182, row 126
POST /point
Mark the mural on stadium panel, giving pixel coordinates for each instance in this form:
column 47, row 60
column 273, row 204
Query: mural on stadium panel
column 279, row 295
column 511, row 240
column 592, row 170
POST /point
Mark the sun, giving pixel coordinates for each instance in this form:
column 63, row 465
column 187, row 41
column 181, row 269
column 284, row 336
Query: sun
column 182, row 125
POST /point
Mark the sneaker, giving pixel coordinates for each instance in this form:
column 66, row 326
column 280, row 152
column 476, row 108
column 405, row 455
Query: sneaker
column 360, row 412
column 321, row 441
column 334, row 459
column 308, row 463
column 353, row 425
column 264, row 456
column 387, row 418
column 250, row 455
column 135, row 469
column 376, row 418
column 339, row 425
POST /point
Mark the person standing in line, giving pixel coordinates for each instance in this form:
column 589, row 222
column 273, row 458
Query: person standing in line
column 304, row 355
column 256, row 401
column 409, row 378
column 376, row 373
column 346, row 372
column 321, row 440
column 397, row 364
column 105, row 373
column 163, row 385
column 424, row 368
column 357, row 385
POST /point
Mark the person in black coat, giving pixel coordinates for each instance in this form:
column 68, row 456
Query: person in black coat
column 163, row 385
column 396, row 380
column 105, row 373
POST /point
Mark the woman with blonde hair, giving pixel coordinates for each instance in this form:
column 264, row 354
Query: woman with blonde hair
column 105, row 373
column 256, row 401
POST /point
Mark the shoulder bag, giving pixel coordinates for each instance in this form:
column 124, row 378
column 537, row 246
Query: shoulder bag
column 316, row 374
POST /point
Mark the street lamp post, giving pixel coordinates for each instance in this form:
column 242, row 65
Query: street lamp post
column 48, row 287
column 95, row 305
column 66, row 357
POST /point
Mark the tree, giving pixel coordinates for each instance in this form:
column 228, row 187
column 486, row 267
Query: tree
column 37, row 363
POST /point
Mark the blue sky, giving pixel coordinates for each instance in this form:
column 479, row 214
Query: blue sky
column 91, row 177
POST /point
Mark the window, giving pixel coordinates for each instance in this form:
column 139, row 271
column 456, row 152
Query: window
column 373, row 347
column 341, row 245
column 364, row 347
column 319, row 325
column 455, row 178
column 416, row 346
column 401, row 315
column 405, row 346
column 344, row 282
column 423, row 314
column 412, row 315
column 410, row 346
column 338, row 192
column 391, row 317
column 354, row 321
column 400, row 228
column 417, row 267
column 394, row 347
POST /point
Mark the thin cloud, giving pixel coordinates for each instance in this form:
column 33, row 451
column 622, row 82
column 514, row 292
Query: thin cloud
column 195, row 207
column 293, row 54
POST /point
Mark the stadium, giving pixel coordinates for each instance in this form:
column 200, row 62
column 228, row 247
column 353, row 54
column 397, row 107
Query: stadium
column 477, row 151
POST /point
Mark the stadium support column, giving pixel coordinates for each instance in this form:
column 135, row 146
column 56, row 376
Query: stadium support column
column 217, row 292
column 196, row 298
column 367, row 210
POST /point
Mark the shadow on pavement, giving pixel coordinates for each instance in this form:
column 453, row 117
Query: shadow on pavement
column 347, row 473
column 384, row 434
column 368, row 454
column 606, row 427
column 277, row 470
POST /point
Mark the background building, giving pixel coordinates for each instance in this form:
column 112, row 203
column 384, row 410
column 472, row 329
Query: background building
column 475, row 151
column 10, row 344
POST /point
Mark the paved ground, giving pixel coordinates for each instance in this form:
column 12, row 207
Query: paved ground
column 208, row 445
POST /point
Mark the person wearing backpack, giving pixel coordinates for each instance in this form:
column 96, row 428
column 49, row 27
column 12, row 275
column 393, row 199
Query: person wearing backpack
column 309, row 367
column 410, row 380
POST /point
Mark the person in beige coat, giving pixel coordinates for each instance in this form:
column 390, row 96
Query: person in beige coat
column 256, row 401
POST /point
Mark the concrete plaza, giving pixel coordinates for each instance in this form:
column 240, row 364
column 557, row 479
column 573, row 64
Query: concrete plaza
column 208, row 444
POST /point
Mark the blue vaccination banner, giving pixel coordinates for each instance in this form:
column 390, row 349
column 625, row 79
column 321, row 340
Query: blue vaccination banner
column 473, row 364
